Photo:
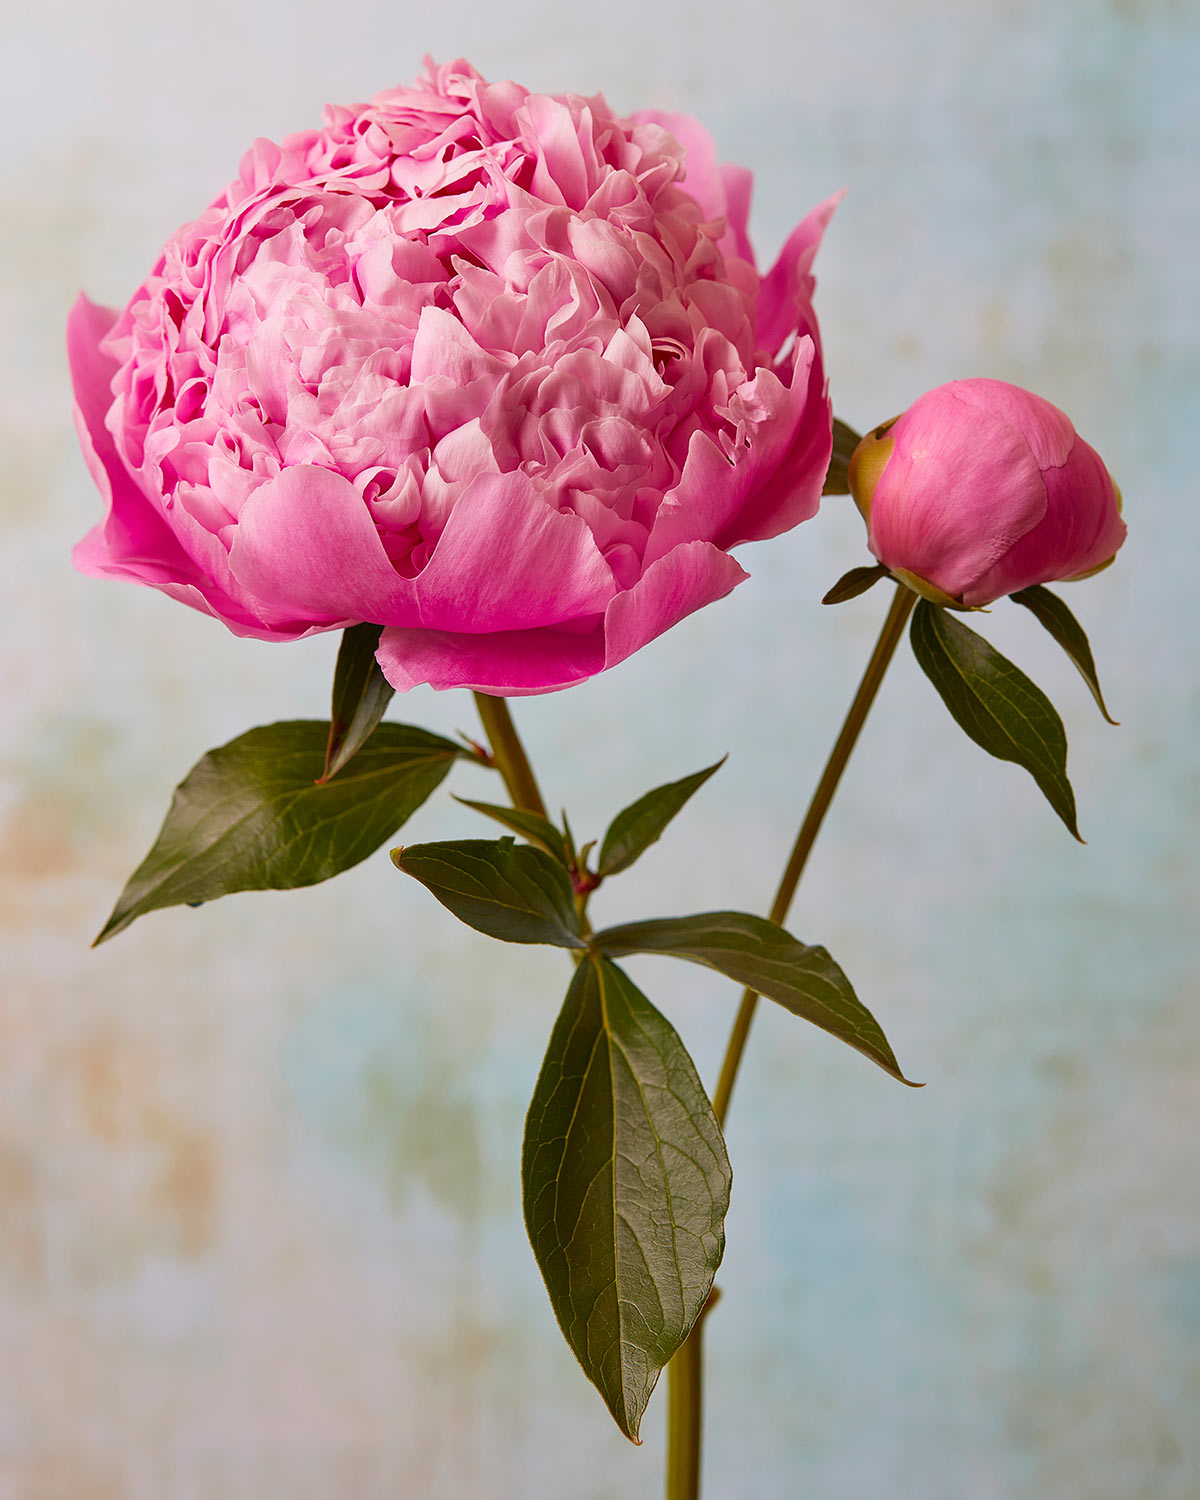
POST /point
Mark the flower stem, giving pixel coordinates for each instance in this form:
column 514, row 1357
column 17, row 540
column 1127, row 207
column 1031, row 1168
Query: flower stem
column 685, row 1419
column 685, row 1373
column 509, row 758
column 885, row 649
column 509, row 754
column 685, row 1411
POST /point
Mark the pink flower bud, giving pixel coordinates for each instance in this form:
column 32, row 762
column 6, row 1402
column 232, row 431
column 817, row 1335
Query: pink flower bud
column 981, row 489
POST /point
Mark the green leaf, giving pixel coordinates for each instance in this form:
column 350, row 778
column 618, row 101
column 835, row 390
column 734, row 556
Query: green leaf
column 507, row 890
column 1049, row 610
column 845, row 440
column 763, row 957
column 642, row 823
column 361, row 693
column 537, row 830
column 856, row 581
column 252, row 815
column 626, row 1186
column 994, row 703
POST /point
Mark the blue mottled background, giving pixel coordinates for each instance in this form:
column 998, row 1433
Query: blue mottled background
column 259, row 1209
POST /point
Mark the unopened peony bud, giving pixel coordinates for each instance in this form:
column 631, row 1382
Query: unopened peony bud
column 981, row 489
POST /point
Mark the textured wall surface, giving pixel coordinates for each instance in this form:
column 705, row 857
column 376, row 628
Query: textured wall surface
column 259, row 1203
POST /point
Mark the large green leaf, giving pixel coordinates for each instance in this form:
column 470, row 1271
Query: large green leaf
column 994, row 703
column 361, row 694
column 1050, row 611
column 253, row 815
column 531, row 826
column 507, row 890
column 763, row 957
column 845, row 440
column 642, row 823
column 626, row 1186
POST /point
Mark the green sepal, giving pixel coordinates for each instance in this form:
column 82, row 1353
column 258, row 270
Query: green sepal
column 531, row 826
column 763, row 957
column 994, row 703
column 845, row 440
column 642, row 823
column 856, row 581
column 625, row 1183
column 361, row 694
column 254, row 814
column 1050, row 611
column 510, row 891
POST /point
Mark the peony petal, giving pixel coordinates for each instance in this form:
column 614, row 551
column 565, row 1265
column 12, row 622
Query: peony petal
column 515, row 663
column 785, row 292
column 561, row 174
column 721, row 192
column 791, row 492
column 443, row 347
column 1082, row 528
column 1049, row 432
column 238, row 621
column 704, row 503
column 739, row 187
column 508, row 561
column 956, row 495
column 668, row 591
column 133, row 541
column 306, row 547
column 519, row 663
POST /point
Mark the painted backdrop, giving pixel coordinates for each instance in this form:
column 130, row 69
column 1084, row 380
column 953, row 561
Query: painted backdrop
column 259, row 1202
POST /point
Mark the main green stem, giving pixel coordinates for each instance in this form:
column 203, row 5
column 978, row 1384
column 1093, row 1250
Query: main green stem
column 685, row 1373
column 509, row 754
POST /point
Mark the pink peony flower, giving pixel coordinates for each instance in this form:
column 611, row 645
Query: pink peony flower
column 491, row 369
column 981, row 489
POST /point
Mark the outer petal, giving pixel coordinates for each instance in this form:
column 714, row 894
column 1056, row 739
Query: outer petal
column 1049, row 432
column 133, row 540
column 705, row 503
column 306, row 547
column 508, row 561
column 955, row 495
column 791, row 492
column 1082, row 528
column 515, row 663
column 739, row 184
column 518, row 663
column 668, row 591
column 785, row 292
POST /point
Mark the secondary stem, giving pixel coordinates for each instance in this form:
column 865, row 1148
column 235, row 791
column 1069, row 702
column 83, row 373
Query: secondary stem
column 885, row 649
column 685, row 1373
column 509, row 754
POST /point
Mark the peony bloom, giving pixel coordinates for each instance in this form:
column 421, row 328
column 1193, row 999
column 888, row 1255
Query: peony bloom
column 494, row 370
column 981, row 489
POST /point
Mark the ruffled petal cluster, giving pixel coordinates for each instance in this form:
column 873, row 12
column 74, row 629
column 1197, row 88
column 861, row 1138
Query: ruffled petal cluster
column 494, row 370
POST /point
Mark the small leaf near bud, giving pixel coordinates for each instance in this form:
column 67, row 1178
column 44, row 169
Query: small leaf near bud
column 856, row 581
